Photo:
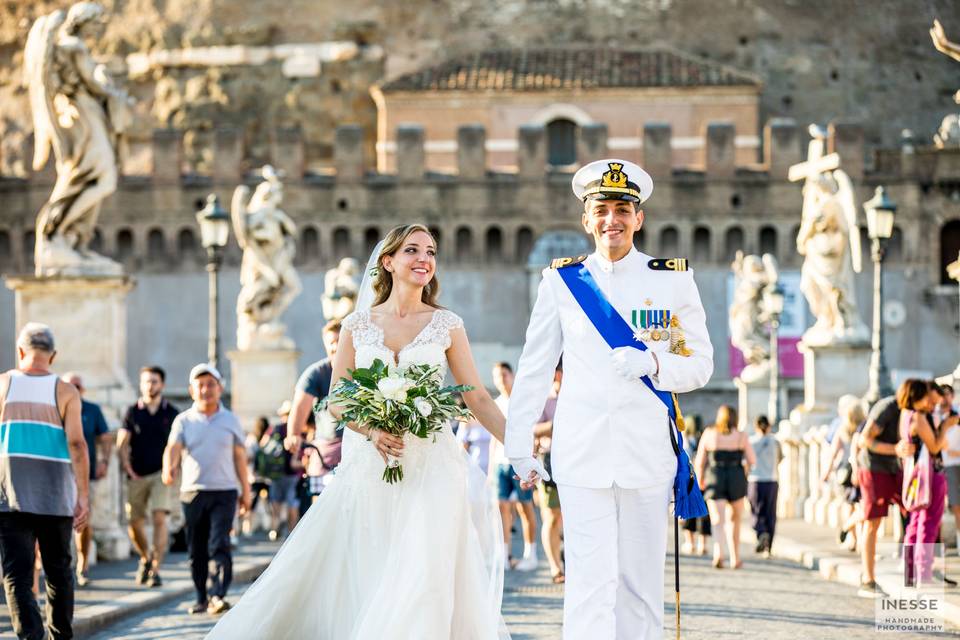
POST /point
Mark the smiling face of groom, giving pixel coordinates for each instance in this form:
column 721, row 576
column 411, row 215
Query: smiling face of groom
column 612, row 224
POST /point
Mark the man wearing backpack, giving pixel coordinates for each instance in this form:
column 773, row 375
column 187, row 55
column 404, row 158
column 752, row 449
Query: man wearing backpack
column 280, row 467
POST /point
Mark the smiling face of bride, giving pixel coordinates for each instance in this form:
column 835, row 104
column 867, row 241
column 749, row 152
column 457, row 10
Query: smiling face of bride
column 415, row 262
column 408, row 258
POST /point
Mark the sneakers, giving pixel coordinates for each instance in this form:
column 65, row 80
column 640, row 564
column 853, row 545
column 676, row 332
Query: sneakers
column 870, row 590
column 938, row 576
column 143, row 570
column 153, row 580
column 217, row 605
column 763, row 543
column 197, row 608
column 527, row 564
column 273, row 535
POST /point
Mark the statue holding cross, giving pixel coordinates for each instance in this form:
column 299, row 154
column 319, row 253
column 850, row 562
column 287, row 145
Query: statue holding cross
column 829, row 240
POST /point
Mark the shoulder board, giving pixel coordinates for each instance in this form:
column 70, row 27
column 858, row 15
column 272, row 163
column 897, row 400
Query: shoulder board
column 668, row 264
column 557, row 263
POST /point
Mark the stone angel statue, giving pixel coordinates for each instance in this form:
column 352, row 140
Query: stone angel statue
column 80, row 114
column 949, row 132
column 748, row 331
column 829, row 240
column 341, row 286
column 268, row 280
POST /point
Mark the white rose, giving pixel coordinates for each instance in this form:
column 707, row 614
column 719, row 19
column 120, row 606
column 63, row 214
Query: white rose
column 423, row 407
column 393, row 388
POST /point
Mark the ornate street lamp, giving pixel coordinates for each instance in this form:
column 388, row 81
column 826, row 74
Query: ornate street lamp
column 772, row 302
column 880, row 211
column 214, row 224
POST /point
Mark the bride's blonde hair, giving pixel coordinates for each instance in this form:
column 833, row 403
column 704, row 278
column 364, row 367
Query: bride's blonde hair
column 383, row 280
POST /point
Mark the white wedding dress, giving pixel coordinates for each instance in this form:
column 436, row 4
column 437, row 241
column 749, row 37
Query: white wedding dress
column 417, row 560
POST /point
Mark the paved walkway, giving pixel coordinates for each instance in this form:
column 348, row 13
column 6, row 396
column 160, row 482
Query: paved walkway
column 770, row 599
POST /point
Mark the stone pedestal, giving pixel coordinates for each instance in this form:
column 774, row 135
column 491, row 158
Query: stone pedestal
column 753, row 398
column 260, row 381
column 828, row 373
column 88, row 316
column 112, row 541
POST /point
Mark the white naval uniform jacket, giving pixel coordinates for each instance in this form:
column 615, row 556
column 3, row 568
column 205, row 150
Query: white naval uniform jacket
column 606, row 429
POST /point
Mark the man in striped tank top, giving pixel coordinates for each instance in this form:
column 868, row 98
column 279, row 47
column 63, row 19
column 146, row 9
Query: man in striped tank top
column 44, row 485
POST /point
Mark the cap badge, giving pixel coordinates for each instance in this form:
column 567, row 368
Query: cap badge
column 615, row 177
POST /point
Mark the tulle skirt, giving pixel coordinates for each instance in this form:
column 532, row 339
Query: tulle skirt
column 422, row 558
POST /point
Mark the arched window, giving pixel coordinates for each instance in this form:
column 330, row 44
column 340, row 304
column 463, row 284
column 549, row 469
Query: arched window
column 524, row 244
column 156, row 248
column 309, row 249
column 561, row 142
column 124, row 244
column 29, row 243
column 640, row 239
column 187, row 245
column 6, row 254
column 733, row 242
column 494, row 244
column 701, row 245
column 768, row 241
column 894, row 251
column 341, row 243
column 464, row 246
column 949, row 248
column 370, row 239
column 96, row 242
column 669, row 242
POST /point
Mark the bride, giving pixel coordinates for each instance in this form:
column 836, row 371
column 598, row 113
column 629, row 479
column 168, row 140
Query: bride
column 420, row 559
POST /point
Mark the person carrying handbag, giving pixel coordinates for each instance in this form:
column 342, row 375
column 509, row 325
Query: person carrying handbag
column 925, row 484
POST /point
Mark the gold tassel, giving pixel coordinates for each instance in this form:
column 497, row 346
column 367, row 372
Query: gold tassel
column 676, row 408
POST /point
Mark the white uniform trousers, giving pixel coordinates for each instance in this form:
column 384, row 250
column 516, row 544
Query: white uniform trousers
column 615, row 543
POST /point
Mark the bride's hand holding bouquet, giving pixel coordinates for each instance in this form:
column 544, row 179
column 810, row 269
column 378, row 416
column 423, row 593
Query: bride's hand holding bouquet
column 392, row 402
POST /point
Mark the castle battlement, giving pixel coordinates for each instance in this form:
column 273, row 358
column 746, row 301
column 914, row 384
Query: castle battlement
column 494, row 215
column 783, row 145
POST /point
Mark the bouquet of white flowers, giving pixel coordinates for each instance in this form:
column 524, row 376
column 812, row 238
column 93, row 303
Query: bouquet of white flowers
column 398, row 401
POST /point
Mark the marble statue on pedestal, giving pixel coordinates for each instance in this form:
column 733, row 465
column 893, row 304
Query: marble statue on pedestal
column 748, row 331
column 829, row 240
column 80, row 113
column 340, row 289
column 268, row 280
column 949, row 133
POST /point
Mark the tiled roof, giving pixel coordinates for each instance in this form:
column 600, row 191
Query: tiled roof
column 570, row 68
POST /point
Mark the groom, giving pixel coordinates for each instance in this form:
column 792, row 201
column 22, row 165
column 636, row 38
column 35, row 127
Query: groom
column 612, row 456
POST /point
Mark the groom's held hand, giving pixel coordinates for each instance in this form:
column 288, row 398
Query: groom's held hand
column 529, row 470
column 634, row 364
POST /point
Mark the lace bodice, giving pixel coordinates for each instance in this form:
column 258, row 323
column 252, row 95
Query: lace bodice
column 429, row 347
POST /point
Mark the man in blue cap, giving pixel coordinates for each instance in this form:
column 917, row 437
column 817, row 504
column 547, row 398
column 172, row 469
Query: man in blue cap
column 612, row 456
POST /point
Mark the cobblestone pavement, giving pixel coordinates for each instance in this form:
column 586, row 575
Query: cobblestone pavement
column 768, row 599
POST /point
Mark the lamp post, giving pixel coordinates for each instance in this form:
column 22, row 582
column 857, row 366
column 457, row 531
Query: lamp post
column 214, row 230
column 880, row 211
column 773, row 308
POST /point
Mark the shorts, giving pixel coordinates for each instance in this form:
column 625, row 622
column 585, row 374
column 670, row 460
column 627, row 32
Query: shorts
column 879, row 490
column 508, row 486
column 148, row 494
column 953, row 485
column 284, row 490
column 549, row 495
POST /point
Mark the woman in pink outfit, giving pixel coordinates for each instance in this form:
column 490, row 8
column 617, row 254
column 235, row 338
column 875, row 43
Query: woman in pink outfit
column 916, row 399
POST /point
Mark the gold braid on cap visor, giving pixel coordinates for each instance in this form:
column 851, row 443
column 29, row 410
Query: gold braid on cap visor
column 597, row 187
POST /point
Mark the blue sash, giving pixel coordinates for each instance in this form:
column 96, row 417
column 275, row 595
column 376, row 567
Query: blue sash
column 688, row 501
